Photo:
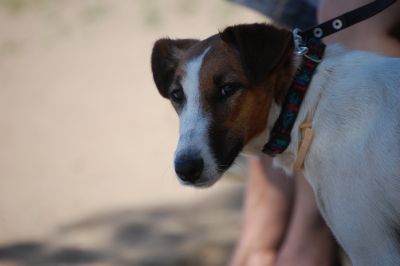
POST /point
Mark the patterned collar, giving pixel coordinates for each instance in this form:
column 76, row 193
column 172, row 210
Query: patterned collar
column 280, row 135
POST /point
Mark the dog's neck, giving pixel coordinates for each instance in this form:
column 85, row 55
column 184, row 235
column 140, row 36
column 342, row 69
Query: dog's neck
column 255, row 146
column 286, row 159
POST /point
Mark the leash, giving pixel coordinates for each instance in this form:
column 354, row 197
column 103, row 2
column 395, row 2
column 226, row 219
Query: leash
column 346, row 20
column 308, row 44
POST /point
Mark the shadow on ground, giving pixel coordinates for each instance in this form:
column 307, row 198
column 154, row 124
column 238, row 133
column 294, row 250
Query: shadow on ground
column 199, row 234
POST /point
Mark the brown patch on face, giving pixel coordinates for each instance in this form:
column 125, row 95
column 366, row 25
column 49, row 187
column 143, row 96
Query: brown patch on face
column 237, row 119
column 250, row 113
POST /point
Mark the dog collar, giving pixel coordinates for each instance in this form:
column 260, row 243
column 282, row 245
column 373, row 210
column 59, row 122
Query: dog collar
column 309, row 45
column 280, row 135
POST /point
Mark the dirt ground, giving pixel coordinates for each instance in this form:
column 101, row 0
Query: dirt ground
column 86, row 142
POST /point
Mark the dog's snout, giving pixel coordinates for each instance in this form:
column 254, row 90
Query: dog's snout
column 189, row 169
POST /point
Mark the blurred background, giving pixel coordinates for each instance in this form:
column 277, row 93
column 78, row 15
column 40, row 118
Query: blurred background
column 86, row 142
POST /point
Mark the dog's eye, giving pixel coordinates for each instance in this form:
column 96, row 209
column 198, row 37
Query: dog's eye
column 229, row 89
column 177, row 95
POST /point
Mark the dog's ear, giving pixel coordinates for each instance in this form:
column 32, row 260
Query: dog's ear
column 261, row 47
column 164, row 61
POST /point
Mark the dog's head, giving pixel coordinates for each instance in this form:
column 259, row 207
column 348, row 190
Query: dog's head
column 222, row 89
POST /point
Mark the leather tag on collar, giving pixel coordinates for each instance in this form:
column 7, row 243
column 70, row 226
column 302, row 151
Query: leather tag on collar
column 306, row 139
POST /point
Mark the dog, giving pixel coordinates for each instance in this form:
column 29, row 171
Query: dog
column 228, row 91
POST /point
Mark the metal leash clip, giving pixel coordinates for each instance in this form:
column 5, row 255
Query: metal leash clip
column 301, row 47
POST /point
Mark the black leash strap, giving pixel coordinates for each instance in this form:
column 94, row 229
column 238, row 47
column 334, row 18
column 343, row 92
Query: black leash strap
column 346, row 20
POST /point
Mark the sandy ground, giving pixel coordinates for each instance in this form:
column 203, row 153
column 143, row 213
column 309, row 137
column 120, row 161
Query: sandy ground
column 86, row 142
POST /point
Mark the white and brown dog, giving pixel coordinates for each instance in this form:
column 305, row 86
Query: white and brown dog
column 228, row 91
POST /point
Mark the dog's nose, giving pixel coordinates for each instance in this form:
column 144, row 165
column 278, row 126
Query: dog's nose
column 189, row 169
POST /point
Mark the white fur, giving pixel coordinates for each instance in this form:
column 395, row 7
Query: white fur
column 353, row 163
column 194, row 123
